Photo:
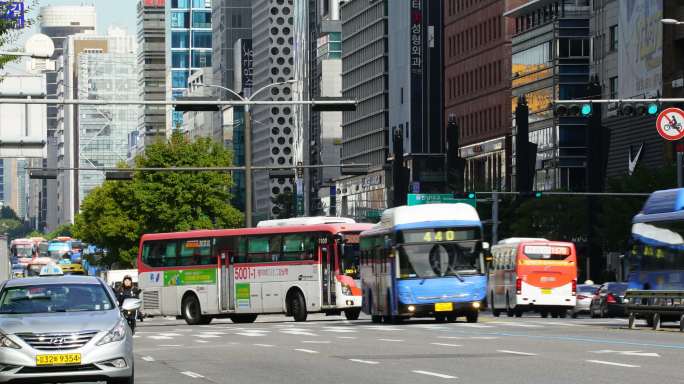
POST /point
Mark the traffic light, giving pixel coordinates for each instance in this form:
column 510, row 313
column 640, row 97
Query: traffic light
column 574, row 110
column 534, row 194
column 638, row 109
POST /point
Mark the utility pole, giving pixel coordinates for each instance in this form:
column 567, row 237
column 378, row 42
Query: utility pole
column 248, row 167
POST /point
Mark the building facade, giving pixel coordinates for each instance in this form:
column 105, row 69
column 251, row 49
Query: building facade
column 58, row 22
column 102, row 68
column 365, row 132
column 273, row 128
column 189, row 48
column 477, row 87
column 415, row 90
column 152, row 67
column 198, row 124
column 551, row 49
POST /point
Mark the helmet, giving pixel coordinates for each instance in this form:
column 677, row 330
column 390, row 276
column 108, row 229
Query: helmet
column 127, row 277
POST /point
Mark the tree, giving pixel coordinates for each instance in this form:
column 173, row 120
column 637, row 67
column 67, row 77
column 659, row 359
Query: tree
column 284, row 205
column 116, row 214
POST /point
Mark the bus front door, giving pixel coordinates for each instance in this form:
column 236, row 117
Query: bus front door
column 226, row 292
column 328, row 275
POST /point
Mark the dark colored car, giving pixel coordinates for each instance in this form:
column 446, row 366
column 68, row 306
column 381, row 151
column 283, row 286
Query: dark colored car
column 608, row 301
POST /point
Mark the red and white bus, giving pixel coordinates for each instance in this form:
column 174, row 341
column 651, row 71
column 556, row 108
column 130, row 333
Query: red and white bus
column 241, row 273
column 533, row 275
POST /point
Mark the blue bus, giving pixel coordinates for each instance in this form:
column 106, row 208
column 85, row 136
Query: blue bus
column 656, row 258
column 424, row 261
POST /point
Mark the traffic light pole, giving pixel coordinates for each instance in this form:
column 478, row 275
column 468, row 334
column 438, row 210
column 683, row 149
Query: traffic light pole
column 248, row 167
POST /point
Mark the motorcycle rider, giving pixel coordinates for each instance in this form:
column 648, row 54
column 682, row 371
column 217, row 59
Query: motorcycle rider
column 127, row 291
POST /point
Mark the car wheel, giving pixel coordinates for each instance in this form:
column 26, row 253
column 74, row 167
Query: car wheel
column 123, row 380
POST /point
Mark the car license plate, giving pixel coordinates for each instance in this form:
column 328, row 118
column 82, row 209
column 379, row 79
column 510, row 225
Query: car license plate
column 60, row 359
column 546, row 291
column 444, row 307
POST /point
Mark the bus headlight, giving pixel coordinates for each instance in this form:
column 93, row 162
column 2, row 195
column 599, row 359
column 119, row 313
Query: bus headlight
column 476, row 305
column 411, row 308
column 346, row 290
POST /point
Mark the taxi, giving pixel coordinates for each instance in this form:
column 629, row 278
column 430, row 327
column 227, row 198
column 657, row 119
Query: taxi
column 63, row 328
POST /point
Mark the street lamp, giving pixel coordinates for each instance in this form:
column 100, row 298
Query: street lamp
column 248, row 141
column 671, row 22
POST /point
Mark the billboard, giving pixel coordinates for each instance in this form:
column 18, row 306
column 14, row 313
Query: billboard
column 640, row 54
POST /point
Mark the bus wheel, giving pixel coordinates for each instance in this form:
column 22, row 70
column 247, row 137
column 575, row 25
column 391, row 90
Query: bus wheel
column 192, row 312
column 518, row 313
column 242, row 319
column 298, row 306
column 509, row 310
column 376, row 319
column 352, row 314
column 554, row 314
column 563, row 314
column 471, row 317
column 440, row 318
column 452, row 318
column 544, row 314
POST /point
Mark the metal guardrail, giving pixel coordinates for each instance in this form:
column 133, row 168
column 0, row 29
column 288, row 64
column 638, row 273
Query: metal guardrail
column 655, row 306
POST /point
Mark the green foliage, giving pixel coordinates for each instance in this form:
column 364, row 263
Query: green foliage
column 116, row 214
column 9, row 35
column 62, row 230
column 285, row 205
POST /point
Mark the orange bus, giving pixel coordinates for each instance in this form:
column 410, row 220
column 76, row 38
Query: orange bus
column 533, row 275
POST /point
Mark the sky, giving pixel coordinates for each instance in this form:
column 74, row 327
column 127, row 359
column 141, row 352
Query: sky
column 121, row 13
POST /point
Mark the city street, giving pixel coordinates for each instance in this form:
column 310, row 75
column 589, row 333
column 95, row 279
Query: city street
column 333, row 350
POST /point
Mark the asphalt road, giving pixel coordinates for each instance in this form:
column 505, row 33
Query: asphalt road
column 332, row 350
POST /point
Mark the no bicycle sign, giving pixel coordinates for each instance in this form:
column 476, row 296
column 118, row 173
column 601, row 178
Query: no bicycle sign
column 670, row 124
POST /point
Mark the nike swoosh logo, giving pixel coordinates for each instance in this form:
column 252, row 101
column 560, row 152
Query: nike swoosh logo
column 633, row 162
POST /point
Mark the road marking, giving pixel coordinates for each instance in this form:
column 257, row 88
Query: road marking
column 159, row 337
column 392, row 340
column 628, row 353
column 364, row 361
column 440, row 375
column 516, row 352
column 306, row 350
column 208, row 336
column 516, row 324
column 213, row 333
column 473, row 325
column 316, row 342
column 484, row 338
column 611, row 363
column 297, row 332
column 148, row 358
column 381, row 328
column 263, row 345
column 347, row 337
column 452, row 337
column 251, row 334
column 170, row 345
column 136, row 336
column 192, row 374
column 338, row 330
column 169, row 334
column 447, row 345
column 201, row 341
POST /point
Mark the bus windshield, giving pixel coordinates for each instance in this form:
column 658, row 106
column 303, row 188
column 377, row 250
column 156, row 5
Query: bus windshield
column 350, row 260
column 23, row 250
column 439, row 253
column 658, row 246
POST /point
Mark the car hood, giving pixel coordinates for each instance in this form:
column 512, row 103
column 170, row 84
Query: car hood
column 59, row 322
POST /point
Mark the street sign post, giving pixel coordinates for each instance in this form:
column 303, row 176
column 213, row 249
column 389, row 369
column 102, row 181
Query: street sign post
column 437, row 198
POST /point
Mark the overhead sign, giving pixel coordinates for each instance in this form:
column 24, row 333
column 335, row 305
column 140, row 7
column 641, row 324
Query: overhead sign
column 13, row 11
column 436, row 198
column 670, row 124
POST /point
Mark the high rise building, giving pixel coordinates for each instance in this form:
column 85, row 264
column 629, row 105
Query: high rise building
column 273, row 130
column 551, row 61
column 189, row 48
column 415, row 90
column 325, row 80
column 58, row 22
column 100, row 68
column 198, row 124
column 477, row 88
column 152, row 66
column 364, row 131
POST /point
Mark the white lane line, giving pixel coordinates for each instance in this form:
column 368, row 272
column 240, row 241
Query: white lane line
column 192, row 374
column 435, row 374
column 523, row 325
column 208, row 336
column 148, row 358
column 365, row 361
column 316, row 342
column 136, row 336
column 611, row 363
column 516, row 352
column 447, row 345
column 392, row 340
column 347, row 337
column 484, row 337
column 170, row 345
column 473, row 325
column 159, row 337
column 628, row 353
column 201, row 341
column 452, row 337
column 263, row 345
column 306, row 350
column 251, row 334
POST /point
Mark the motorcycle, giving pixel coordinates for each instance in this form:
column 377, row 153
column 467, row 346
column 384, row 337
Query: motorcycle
column 129, row 310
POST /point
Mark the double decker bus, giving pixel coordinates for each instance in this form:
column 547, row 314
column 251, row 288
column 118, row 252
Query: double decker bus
column 241, row 273
column 533, row 275
column 424, row 261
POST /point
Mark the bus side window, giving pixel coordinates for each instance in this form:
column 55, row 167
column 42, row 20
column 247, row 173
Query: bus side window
column 276, row 248
column 170, row 255
column 258, row 249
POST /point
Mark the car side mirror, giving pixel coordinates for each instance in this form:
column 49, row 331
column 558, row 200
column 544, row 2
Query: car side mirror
column 131, row 304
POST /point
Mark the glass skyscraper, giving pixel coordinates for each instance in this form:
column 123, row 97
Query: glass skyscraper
column 189, row 41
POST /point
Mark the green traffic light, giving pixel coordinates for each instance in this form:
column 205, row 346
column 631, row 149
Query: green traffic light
column 586, row 109
column 537, row 195
column 652, row 109
column 471, row 195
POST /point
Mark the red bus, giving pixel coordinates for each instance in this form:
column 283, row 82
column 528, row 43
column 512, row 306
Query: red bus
column 241, row 273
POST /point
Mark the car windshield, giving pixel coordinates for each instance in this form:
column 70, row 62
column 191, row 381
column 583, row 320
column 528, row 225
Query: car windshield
column 48, row 298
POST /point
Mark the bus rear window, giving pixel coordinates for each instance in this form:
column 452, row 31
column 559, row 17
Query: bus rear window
column 546, row 252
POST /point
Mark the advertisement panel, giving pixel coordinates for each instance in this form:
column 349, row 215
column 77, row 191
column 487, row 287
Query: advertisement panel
column 190, row 277
column 640, row 53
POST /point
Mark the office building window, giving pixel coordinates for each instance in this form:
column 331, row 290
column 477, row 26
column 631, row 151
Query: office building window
column 183, row 4
column 201, row 39
column 201, row 59
column 614, row 38
column 180, row 59
column 614, row 87
column 180, row 39
column 179, row 79
column 201, row 19
column 180, row 19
